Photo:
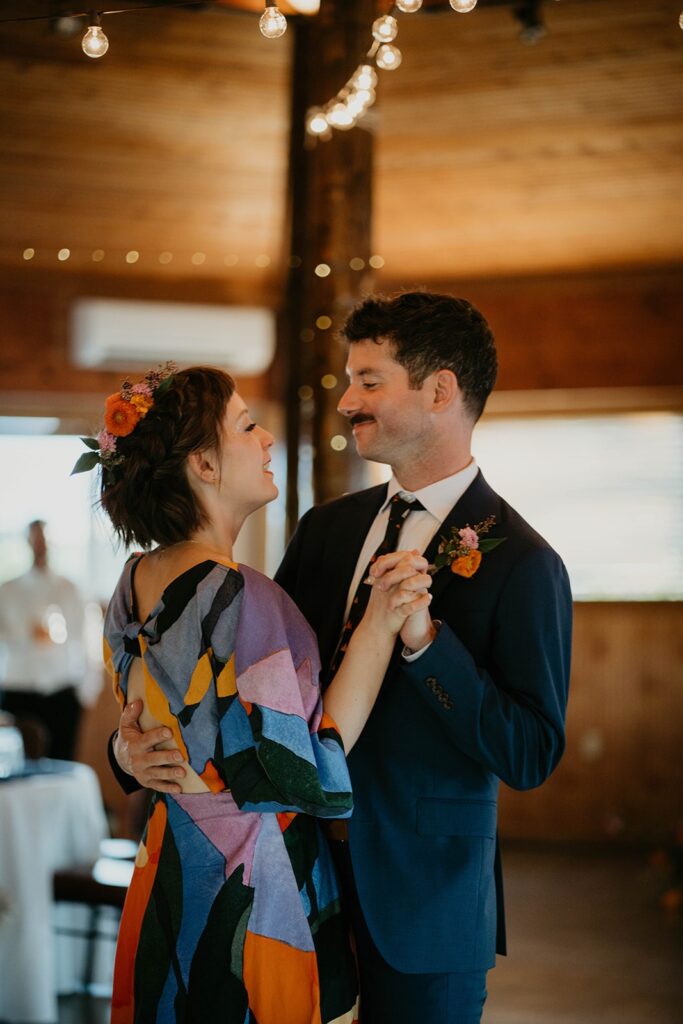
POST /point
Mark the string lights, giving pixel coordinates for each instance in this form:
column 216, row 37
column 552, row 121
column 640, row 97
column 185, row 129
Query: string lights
column 273, row 24
column 353, row 100
column 113, row 258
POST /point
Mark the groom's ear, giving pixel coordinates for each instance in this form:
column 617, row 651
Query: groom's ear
column 445, row 384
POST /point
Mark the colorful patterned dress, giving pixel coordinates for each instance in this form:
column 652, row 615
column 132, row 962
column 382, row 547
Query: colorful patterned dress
column 233, row 913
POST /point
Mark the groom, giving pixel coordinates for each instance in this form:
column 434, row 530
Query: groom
column 480, row 697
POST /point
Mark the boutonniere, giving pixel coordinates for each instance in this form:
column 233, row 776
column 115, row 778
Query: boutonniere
column 463, row 551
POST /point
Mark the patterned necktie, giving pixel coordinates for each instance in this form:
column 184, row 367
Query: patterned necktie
column 399, row 510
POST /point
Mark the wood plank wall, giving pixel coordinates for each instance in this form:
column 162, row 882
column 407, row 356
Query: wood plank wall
column 569, row 331
column 610, row 329
column 37, row 376
column 621, row 778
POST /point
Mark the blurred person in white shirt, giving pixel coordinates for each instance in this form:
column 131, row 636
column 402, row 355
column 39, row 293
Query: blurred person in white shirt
column 45, row 673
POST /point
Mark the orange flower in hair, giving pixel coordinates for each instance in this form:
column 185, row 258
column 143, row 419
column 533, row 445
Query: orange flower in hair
column 120, row 417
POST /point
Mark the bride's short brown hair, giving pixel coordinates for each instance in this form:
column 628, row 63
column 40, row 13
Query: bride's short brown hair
column 148, row 497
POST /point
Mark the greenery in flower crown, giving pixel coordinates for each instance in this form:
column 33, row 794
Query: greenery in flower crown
column 122, row 413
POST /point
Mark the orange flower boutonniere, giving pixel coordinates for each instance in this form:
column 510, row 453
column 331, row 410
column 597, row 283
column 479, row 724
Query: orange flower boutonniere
column 465, row 548
column 466, row 565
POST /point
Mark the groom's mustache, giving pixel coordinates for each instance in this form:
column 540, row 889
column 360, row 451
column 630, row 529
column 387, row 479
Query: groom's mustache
column 360, row 418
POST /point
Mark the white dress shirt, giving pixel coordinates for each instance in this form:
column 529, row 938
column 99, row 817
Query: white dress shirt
column 419, row 527
column 41, row 633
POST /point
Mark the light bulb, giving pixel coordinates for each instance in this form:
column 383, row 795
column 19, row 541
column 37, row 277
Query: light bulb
column 680, row 20
column 366, row 97
column 388, row 57
column 95, row 43
column 463, row 6
column 340, row 117
column 409, row 6
column 305, row 6
column 316, row 122
column 357, row 105
column 272, row 23
column 365, row 77
column 385, row 29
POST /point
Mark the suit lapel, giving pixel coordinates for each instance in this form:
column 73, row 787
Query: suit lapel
column 478, row 502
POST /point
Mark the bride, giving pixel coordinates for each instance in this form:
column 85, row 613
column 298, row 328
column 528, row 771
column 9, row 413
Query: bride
column 233, row 913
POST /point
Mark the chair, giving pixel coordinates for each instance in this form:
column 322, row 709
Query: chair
column 103, row 884
column 35, row 736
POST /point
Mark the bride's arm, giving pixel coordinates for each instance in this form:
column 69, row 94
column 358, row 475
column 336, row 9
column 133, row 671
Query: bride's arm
column 399, row 590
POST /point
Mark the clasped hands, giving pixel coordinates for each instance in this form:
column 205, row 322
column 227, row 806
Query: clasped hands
column 403, row 577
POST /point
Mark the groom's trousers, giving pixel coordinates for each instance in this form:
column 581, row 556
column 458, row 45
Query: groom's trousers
column 390, row 997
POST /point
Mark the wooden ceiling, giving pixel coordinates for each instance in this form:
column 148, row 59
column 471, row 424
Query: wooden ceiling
column 493, row 157
column 496, row 157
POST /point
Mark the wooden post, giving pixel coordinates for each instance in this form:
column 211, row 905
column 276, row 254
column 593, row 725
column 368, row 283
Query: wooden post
column 329, row 207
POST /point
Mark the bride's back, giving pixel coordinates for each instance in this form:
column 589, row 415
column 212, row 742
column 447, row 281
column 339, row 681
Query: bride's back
column 154, row 573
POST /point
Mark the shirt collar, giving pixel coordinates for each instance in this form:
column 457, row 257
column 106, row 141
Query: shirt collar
column 438, row 498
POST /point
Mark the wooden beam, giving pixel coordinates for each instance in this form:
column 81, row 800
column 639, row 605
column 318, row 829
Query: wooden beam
column 330, row 217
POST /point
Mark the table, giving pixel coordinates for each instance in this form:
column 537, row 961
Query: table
column 47, row 821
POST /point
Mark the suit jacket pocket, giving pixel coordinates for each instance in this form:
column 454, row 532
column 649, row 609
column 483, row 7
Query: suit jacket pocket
column 439, row 816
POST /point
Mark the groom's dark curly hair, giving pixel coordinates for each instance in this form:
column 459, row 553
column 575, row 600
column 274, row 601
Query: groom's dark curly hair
column 430, row 332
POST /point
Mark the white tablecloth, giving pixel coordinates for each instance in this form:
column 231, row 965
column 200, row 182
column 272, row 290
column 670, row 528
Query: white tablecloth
column 47, row 822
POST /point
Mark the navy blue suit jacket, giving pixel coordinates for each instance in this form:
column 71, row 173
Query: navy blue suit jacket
column 485, row 702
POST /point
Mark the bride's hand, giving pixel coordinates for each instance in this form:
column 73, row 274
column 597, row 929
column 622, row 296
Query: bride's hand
column 400, row 590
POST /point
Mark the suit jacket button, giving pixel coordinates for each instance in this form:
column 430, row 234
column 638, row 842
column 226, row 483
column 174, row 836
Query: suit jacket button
column 431, row 682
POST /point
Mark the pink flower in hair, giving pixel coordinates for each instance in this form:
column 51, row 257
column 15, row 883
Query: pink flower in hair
column 469, row 538
column 106, row 441
column 142, row 389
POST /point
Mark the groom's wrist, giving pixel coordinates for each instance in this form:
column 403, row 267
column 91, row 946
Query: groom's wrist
column 418, row 647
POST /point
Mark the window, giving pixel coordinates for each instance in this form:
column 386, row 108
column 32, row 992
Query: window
column 606, row 491
column 35, row 469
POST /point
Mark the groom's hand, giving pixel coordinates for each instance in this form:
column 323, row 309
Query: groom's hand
column 136, row 753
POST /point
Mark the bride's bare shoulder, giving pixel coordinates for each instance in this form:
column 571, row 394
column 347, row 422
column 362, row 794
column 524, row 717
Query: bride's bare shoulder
column 157, row 569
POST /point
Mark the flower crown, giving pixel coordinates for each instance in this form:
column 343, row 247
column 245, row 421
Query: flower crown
column 122, row 413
